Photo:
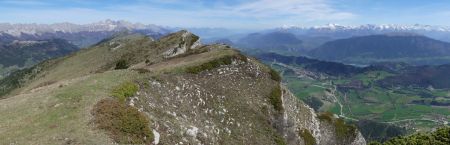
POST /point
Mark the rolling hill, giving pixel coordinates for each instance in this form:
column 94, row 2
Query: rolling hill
column 20, row 54
column 412, row 49
column 275, row 41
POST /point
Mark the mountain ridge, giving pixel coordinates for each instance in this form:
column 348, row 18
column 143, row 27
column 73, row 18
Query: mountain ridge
column 373, row 48
column 174, row 84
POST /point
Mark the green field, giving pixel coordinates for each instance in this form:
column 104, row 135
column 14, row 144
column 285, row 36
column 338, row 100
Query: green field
column 373, row 101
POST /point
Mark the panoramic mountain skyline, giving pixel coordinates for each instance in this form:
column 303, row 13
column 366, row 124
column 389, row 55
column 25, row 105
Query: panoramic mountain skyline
column 253, row 72
column 254, row 14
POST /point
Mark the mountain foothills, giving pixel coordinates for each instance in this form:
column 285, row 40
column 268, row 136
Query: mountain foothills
column 384, row 100
column 19, row 54
column 412, row 49
column 132, row 89
column 24, row 45
column 362, row 45
column 274, row 41
column 337, row 31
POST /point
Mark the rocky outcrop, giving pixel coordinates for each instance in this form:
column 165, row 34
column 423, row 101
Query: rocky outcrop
column 227, row 103
column 188, row 42
column 298, row 116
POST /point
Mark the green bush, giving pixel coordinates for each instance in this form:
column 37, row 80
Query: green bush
column 124, row 124
column 344, row 131
column 439, row 137
column 308, row 138
column 122, row 64
column 274, row 75
column 124, row 91
column 376, row 131
column 326, row 116
column 227, row 60
column 275, row 98
column 279, row 140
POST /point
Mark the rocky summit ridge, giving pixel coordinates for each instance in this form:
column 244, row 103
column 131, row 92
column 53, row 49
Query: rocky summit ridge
column 174, row 90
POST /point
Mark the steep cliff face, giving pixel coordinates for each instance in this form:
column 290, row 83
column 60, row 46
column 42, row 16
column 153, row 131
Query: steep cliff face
column 173, row 91
column 299, row 117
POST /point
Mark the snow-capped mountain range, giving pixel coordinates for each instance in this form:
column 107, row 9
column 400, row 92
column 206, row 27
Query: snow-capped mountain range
column 106, row 25
column 336, row 31
column 84, row 35
column 81, row 35
column 383, row 27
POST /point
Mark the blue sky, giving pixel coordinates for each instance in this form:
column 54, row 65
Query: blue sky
column 247, row 14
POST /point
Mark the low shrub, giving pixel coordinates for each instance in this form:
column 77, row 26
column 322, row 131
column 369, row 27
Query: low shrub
column 125, row 90
column 275, row 98
column 227, row 60
column 439, row 137
column 325, row 116
column 124, row 124
column 274, row 75
column 343, row 130
column 279, row 140
column 308, row 138
column 122, row 64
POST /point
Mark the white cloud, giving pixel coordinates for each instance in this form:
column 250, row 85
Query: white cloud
column 311, row 9
column 263, row 13
column 258, row 13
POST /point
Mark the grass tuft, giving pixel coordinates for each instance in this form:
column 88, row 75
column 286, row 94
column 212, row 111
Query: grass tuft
column 124, row 91
column 124, row 124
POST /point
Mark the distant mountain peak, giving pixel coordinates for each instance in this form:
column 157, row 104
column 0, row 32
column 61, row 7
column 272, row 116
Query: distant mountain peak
column 66, row 27
column 387, row 27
